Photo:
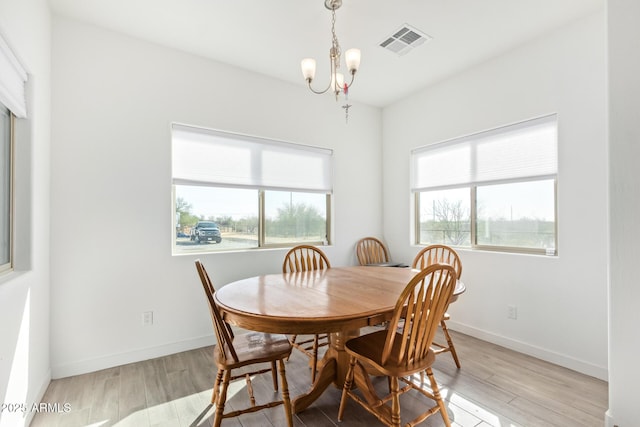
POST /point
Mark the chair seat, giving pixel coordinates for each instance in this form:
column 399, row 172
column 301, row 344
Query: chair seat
column 256, row 347
column 369, row 348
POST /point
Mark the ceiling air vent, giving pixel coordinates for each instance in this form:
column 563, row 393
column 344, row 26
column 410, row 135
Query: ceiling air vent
column 404, row 40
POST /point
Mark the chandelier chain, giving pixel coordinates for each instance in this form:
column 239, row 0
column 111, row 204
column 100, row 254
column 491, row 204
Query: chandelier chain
column 334, row 41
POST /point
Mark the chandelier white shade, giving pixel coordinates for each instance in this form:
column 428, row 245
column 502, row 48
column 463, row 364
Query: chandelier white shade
column 352, row 58
column 308, row 66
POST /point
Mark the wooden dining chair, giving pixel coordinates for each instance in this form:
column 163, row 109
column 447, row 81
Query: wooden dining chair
column 306, row 258
column 243, row 351
column 370, row 250
column 445, row 255
column 402, row 350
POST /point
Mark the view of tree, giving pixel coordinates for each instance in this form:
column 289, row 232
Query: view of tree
column 223, row 221
column 449, row 222
column 185, row 217
column 523, row 232
column 297, row 220
column 247, row 225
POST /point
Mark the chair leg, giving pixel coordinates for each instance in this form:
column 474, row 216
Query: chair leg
column 314, row 361
column 347, row 386
column 216, row 386
column 274, row 376
column 395, row 402
column 292, row 340
column 452, row 348
column 438, row 398
column 222, row 398
column 285, row 394
column 252, row 398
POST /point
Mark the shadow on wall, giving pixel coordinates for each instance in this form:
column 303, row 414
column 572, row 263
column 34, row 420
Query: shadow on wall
column 14, row 372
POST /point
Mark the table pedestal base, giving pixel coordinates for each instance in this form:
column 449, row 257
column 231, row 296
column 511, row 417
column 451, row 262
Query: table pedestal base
column 333, row 370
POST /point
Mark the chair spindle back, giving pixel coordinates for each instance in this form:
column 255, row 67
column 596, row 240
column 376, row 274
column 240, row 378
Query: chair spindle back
column 438, row 254
column 305, row 258
column 224, row 334
column 417, row 314
column 370, row 250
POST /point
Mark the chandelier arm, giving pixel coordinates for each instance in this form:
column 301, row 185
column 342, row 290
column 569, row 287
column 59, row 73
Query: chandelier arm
column 331, row 79
column 318, row 92
column 353, row 77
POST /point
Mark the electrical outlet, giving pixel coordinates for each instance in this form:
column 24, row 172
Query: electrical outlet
column 147, row 318
column 512, row 312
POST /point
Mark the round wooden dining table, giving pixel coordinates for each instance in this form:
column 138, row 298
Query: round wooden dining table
column 338, row 301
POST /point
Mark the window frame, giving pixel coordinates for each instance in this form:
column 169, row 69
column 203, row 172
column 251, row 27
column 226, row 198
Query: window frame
column 13, row 80
column 8, row 267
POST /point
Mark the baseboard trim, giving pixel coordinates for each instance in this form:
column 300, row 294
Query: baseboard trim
column 117, row 359
column 109, row 361
column 531, row 350
column 608, row 420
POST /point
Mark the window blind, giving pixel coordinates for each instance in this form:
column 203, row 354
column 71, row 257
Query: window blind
column 526, row 150
column 205, row 157
column 12, row 82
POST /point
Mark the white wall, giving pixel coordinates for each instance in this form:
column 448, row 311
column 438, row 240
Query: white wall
column 561, row 301
column 624, row 211
column 114, row 98
column 111, row 134
column 24, row 293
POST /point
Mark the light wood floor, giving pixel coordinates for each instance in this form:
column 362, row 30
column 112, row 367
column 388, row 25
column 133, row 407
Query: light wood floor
column 495, row 387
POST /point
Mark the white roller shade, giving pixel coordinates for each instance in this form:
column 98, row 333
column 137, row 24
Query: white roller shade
column 204, row 157
column 12, row 81
column 522, row 151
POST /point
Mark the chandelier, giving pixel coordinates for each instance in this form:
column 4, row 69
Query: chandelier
column 337, row 83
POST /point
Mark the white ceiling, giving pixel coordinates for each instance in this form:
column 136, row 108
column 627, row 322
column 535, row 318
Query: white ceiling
column 271, row 37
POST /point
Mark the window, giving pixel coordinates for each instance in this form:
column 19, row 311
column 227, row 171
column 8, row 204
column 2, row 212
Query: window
column 492, row 190
column 12, row 105
column 234, row 192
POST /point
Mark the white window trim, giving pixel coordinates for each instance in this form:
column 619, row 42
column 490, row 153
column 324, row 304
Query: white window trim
column 13, row 78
